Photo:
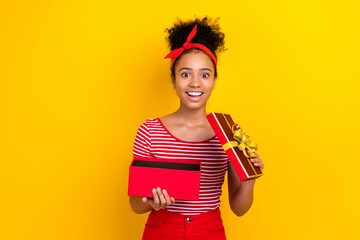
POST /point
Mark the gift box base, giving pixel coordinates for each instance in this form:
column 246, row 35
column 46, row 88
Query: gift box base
column 180, row 178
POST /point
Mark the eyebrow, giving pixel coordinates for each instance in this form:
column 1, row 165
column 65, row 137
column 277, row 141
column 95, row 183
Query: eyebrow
column 202, row 69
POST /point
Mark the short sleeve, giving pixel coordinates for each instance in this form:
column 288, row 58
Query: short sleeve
column 142, row 144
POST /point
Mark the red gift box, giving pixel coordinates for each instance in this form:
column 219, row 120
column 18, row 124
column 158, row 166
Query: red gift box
column 180, row 177
column 235, row 142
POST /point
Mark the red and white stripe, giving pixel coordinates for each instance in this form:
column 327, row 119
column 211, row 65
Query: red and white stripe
column 154, row 140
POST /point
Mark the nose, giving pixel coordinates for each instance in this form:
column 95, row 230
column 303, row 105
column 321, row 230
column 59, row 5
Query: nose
column 195, row 81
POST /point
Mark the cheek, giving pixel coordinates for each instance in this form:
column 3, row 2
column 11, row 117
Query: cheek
column 210, row 85
column 180, row 84
column 179, row 89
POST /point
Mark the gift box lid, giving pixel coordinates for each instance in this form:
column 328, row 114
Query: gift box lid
column 235, row 142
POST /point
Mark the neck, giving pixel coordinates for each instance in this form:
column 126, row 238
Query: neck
column 191, row 116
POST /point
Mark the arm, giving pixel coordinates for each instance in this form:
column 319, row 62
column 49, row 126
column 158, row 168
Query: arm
column 241, row 194
column 160, row 199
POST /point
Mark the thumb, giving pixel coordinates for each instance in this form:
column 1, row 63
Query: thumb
column 150, row 201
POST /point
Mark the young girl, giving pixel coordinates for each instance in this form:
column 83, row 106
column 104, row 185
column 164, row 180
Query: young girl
column 187, row 134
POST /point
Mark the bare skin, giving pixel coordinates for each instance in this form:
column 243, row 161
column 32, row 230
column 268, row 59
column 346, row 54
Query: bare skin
column 194, row 72
column 241, row 194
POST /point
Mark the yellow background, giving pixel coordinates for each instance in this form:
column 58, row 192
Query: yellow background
column 79, row 77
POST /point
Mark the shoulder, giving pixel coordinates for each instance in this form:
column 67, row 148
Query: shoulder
column 151, row 121
column 149, row 124
column 168, row 118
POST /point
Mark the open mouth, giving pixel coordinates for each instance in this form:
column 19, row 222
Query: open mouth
column 194, row 94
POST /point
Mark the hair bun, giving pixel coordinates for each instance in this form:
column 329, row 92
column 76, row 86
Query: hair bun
column 208, row 34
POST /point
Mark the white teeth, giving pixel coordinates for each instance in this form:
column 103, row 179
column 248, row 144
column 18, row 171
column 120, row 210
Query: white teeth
column 194, row 93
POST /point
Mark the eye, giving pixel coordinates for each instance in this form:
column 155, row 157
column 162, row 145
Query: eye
column 185, row 74
column 205, row 75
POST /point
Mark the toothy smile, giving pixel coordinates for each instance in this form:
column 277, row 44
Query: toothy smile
column 194, row 94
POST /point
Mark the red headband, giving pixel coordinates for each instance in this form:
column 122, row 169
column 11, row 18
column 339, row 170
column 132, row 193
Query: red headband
column 187, row 45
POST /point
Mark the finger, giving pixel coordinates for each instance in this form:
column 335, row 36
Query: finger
column 252, row 154
column 255, row 161
column 258, row 162
column 172, row 200
column 248, row 152
column 257, row 158
column 162, row 198
column 167, row 198
column 156, row 202
column 148, row 200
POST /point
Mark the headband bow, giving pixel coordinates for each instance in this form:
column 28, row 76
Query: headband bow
column 188, row 45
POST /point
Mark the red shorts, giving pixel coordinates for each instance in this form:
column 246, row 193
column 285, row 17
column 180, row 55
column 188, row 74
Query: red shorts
column 163, row 224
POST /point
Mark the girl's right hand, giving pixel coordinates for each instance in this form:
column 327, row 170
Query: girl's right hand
column 160, row 199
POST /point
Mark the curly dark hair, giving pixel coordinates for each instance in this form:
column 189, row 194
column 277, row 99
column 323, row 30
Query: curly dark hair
column 208, row 34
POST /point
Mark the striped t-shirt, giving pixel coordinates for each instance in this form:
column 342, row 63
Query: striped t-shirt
column 154, row 140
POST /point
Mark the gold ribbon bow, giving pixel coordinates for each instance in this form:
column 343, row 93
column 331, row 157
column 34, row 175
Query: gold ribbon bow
column 242, row 141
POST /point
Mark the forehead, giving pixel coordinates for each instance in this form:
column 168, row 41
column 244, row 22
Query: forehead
column 195, row 60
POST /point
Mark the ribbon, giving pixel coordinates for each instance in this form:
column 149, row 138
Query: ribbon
column 242, row 141
column 188, row 45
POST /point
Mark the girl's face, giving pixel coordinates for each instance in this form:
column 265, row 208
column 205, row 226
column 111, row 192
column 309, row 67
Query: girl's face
column 194, row 79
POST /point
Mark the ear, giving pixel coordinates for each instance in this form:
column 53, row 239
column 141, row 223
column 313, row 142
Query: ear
column 173, row 81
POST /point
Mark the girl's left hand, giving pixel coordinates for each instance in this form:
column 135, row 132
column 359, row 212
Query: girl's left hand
column 256, row 160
